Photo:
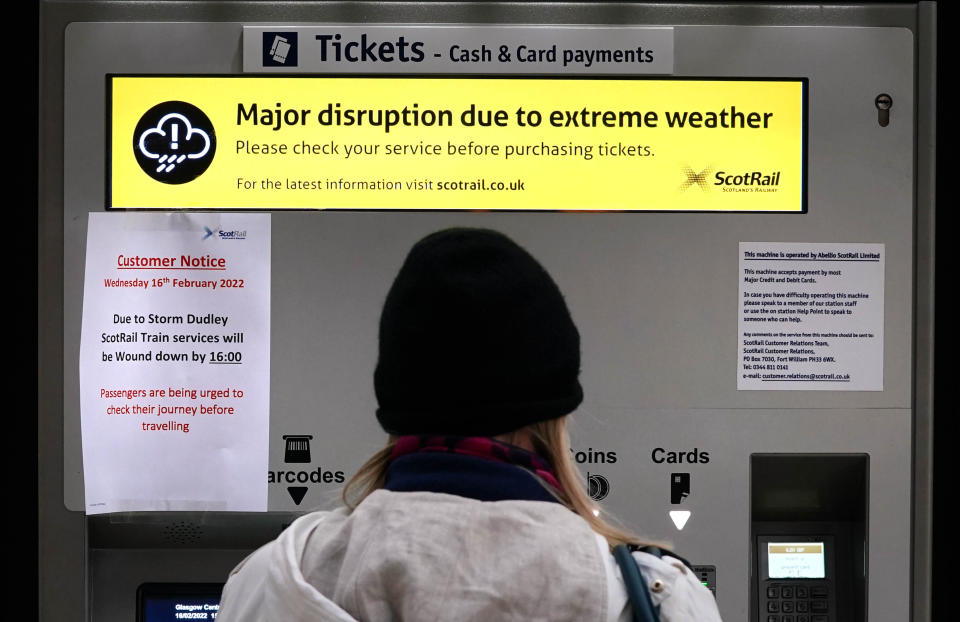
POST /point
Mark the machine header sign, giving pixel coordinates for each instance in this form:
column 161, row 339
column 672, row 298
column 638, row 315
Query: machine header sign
column 457, row 143
column 458, row 49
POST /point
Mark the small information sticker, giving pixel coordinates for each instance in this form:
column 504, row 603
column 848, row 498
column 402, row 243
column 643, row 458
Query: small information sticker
column 810, row 317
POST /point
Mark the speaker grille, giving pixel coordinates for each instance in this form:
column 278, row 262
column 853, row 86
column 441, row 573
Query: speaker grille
column 182, row 532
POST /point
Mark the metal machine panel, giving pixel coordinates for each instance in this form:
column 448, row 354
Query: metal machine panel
column 654, row 297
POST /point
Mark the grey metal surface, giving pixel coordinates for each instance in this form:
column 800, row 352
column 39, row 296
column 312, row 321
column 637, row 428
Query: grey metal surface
column 115, row 575
column 186, row 530
column 711, row 537
column 653, row 295
column 657, row 356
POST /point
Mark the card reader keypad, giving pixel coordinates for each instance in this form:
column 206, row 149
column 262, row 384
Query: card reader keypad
column 796, row 603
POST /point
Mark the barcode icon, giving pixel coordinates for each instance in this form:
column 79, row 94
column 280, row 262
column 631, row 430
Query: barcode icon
column 297, row 449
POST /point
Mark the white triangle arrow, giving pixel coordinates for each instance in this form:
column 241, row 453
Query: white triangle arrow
column 680, row 518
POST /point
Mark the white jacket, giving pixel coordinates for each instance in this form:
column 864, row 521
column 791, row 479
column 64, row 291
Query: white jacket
column 433, row 557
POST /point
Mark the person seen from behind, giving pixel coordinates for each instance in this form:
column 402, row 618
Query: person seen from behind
column 474, row 510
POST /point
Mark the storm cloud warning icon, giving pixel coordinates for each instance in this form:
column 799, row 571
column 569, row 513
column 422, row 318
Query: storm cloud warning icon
column 174, row 142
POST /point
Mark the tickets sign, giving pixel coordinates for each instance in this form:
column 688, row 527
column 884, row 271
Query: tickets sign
column 455, row 143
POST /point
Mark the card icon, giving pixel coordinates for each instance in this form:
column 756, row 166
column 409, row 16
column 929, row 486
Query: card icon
column 679, row 487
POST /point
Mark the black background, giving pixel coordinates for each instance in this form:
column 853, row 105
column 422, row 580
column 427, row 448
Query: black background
column 21, row 104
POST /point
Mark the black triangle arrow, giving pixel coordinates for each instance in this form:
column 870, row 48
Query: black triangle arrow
column 297, row 493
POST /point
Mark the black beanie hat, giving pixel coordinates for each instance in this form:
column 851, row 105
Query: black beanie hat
column 475, row 340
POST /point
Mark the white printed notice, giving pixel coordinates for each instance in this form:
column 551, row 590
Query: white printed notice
column 810, row 317
column 175, row 362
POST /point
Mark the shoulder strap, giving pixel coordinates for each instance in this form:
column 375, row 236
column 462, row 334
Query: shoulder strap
column 660, row 553
column 643, row 609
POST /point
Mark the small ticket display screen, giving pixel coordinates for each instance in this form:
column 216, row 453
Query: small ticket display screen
column 179, row 602
column 796, row 560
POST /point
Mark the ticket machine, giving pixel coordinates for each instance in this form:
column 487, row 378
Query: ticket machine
column 792, row 466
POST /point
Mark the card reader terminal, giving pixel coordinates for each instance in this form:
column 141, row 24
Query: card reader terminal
column 796, row 579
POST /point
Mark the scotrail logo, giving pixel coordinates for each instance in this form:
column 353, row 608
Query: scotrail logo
column 699, row 179
column 731, row 181
column 232, row 235
column 224, row 235
column 747, row 181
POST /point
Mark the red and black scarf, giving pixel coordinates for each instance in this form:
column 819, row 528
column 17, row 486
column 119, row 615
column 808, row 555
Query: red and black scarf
column 471, row 466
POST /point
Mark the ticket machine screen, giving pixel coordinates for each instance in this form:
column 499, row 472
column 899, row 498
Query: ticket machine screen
column 175, row 602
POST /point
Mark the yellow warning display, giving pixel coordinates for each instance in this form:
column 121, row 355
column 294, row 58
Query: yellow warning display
column 431, row 143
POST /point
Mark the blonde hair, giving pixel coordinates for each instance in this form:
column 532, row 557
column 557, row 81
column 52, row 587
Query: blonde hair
column 551, row 442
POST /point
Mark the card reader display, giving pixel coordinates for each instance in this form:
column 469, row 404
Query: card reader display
column 795, row 560
column 796, row 579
